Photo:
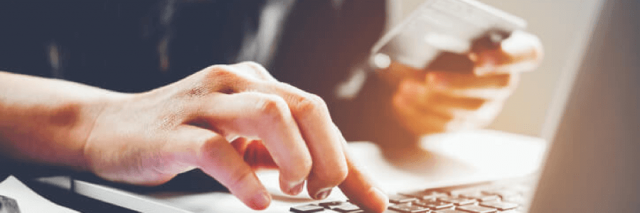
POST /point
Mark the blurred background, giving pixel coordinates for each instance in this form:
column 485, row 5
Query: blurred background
column 564, row 27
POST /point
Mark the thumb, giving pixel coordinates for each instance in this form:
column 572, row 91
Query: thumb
column 216, row 157
column 254, row 153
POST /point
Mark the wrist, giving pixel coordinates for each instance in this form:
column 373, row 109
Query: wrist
column 88, row 113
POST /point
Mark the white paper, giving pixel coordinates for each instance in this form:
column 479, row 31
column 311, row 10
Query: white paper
column 28, row 201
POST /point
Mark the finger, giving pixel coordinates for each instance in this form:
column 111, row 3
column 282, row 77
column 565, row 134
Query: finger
column 423, row 98
column 266, row 117
column 440, row 113
column 360, row 189
column 313, row 119
column 520, row 52
column 451, row 62
column 490, row 87
column 217, row 158
column 420, row 121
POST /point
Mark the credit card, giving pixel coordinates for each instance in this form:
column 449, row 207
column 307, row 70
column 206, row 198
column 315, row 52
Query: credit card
column 441, row 25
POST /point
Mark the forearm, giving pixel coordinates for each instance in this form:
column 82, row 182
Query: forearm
column 47, row 121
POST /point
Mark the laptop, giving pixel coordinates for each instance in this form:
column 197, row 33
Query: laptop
column 591, row 165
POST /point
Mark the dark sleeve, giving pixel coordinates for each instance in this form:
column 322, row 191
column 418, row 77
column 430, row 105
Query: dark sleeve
column 23, row 38
column 322, row 42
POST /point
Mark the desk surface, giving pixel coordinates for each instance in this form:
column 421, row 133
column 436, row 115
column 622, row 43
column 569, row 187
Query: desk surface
column 446, row 159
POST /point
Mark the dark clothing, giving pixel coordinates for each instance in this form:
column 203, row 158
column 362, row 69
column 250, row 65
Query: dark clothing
column 135, row 46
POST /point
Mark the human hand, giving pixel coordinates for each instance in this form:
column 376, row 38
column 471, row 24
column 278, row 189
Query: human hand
column 463, row 91
column 228, row 121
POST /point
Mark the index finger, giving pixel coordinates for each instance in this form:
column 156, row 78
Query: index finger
column 360, row 188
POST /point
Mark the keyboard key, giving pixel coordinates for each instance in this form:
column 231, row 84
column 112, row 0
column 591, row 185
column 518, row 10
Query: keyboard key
column 502, row 206
column 502, row 193
column 347, row 207
column 458, row 192
column 425, row 195
column 449, row 211
column 306, row 208
column 330, row 211
column 401, row 199
column 330, row 203
column 458, row 201
column 476, row 209
column 480, row 196
column 408, row 208
column 433, row 204
column 519, row 199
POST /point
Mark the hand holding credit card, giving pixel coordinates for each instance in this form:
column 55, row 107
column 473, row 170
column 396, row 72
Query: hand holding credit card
column 441, row 25
column 452, row 64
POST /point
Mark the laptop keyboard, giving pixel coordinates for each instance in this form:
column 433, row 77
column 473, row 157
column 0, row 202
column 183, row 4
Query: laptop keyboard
column 476, row 198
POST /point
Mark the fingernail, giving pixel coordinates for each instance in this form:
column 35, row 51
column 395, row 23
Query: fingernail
column 378, row 200
column 261, row 200
column 380, row 195
column 322, row 194
column 296, row 189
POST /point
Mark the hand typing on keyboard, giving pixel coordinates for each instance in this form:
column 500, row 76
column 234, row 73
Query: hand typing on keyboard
column 227, row 120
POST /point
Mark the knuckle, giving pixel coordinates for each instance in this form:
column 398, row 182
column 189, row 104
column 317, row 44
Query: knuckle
column 218, row 71
column 223, row 78
column 253, row 65
column 208, row 146
column 309, row 103
column 222, row 73
column 256, row 69
column 272, row 106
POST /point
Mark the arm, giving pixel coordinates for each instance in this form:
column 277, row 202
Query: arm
column 47, row 121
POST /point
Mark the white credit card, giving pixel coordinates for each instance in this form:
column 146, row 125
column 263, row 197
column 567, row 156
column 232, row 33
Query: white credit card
column 441, row 25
